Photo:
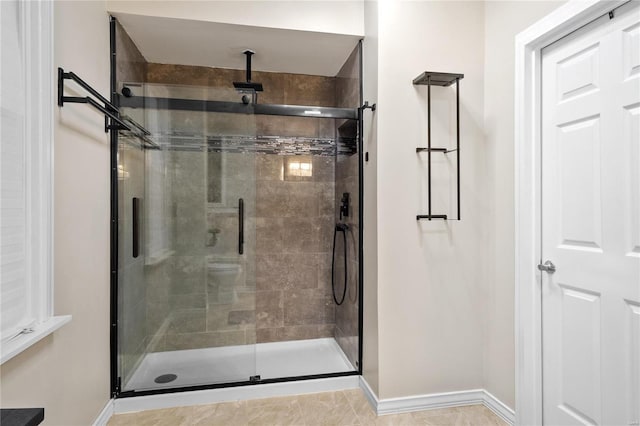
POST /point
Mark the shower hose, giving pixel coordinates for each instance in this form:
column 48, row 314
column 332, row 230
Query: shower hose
column 339, row 228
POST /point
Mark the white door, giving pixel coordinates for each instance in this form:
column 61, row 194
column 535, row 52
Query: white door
column 591, row 223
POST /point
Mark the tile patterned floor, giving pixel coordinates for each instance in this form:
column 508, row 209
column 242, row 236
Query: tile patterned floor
column 339, row 408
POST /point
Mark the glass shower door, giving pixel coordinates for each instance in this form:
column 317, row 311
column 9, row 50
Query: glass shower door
column 131, row 260
column 230, row 208
column 188, row 307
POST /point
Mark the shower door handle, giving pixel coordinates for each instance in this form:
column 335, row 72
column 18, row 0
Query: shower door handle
column 135, row 225
column 240, row 226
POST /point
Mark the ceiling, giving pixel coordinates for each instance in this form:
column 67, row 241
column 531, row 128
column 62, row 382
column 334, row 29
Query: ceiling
column 211, row 44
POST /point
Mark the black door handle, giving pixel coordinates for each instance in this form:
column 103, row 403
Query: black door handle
column 136, row 227
column 240, row 226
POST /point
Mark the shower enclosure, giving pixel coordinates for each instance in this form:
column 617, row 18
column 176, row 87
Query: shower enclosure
column 227, row 269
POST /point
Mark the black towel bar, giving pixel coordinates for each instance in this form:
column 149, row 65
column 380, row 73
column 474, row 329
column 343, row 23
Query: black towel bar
column 110, row 111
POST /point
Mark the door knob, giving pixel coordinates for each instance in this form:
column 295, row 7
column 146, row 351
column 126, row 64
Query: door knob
column 547, row 266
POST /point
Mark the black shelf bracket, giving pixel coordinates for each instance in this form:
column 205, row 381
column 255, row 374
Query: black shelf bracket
column 443, row 150
column 432, row 216
column 112, row 118
column 442, row 79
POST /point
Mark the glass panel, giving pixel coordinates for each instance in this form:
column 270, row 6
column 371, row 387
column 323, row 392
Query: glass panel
column 191, row 299
column 131, row 270
column 347, row 315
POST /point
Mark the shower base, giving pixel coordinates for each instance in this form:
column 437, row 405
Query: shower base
column 238, row 363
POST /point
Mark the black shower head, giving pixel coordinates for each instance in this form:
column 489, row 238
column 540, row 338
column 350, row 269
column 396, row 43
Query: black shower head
column 248, row 85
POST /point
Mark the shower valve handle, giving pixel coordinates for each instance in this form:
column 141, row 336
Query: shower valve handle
column 344, row 205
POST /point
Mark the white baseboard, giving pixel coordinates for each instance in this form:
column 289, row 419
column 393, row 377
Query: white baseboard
column 369, row 393
column 212, row 396
column 437, row 400
column 501, row 409
column 105, row 414
column 381, row 407
column 430, row 401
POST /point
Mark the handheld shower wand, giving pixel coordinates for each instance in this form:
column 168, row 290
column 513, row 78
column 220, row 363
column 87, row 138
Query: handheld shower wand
column 340, row 227
column 344, row 205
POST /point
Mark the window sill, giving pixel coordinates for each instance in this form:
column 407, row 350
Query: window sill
column 20, row 343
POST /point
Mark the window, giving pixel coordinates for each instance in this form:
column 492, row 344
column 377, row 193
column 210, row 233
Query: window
column 26, row 175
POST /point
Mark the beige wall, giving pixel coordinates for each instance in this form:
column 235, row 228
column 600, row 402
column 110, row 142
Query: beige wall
column 445, row 290
column 339, row 17
column 370, row 369
column 503, row 20
column 68, row 372
column 430, row 274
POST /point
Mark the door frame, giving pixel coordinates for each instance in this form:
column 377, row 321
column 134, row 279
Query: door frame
column 527, row 172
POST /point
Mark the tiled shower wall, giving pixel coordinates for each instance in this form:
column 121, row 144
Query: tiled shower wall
column 283, row 289
column 347, row 180
column 294, row 219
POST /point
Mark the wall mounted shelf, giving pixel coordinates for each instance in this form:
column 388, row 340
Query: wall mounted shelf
column 442, row 79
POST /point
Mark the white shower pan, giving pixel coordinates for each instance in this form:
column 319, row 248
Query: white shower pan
column 237, row 363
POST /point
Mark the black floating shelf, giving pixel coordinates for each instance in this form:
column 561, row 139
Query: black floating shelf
column 437, row 78
column 444, row 150
column 431, row 216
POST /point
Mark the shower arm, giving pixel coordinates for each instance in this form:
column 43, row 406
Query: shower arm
column 249, row 54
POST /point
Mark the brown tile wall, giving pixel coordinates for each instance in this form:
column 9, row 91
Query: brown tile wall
column 131, row 66
column 294, row 222
column 283, row 291
column 346, row 180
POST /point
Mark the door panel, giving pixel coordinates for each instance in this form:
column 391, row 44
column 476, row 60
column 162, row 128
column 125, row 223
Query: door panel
column 581, row 353
column 632, row 144
column 580, row 184
column 591, row 223
column 633, row 342
column 632, row 51
column 578, row 73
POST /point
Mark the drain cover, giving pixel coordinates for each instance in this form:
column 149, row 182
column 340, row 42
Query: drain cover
column 165, row 378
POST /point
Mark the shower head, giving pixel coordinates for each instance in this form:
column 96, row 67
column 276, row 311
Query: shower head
column 248, row 85
column 242, row 85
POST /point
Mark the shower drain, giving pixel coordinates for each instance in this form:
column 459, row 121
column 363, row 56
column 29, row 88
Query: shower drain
column 165, row 378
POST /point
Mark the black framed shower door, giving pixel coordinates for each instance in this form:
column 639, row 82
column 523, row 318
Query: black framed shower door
column 240, row 210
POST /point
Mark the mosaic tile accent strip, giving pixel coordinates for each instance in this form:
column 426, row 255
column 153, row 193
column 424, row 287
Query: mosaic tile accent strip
column 278, row 145
column 137, row 139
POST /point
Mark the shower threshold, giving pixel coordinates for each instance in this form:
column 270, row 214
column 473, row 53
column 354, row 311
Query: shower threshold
column 238, row 363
